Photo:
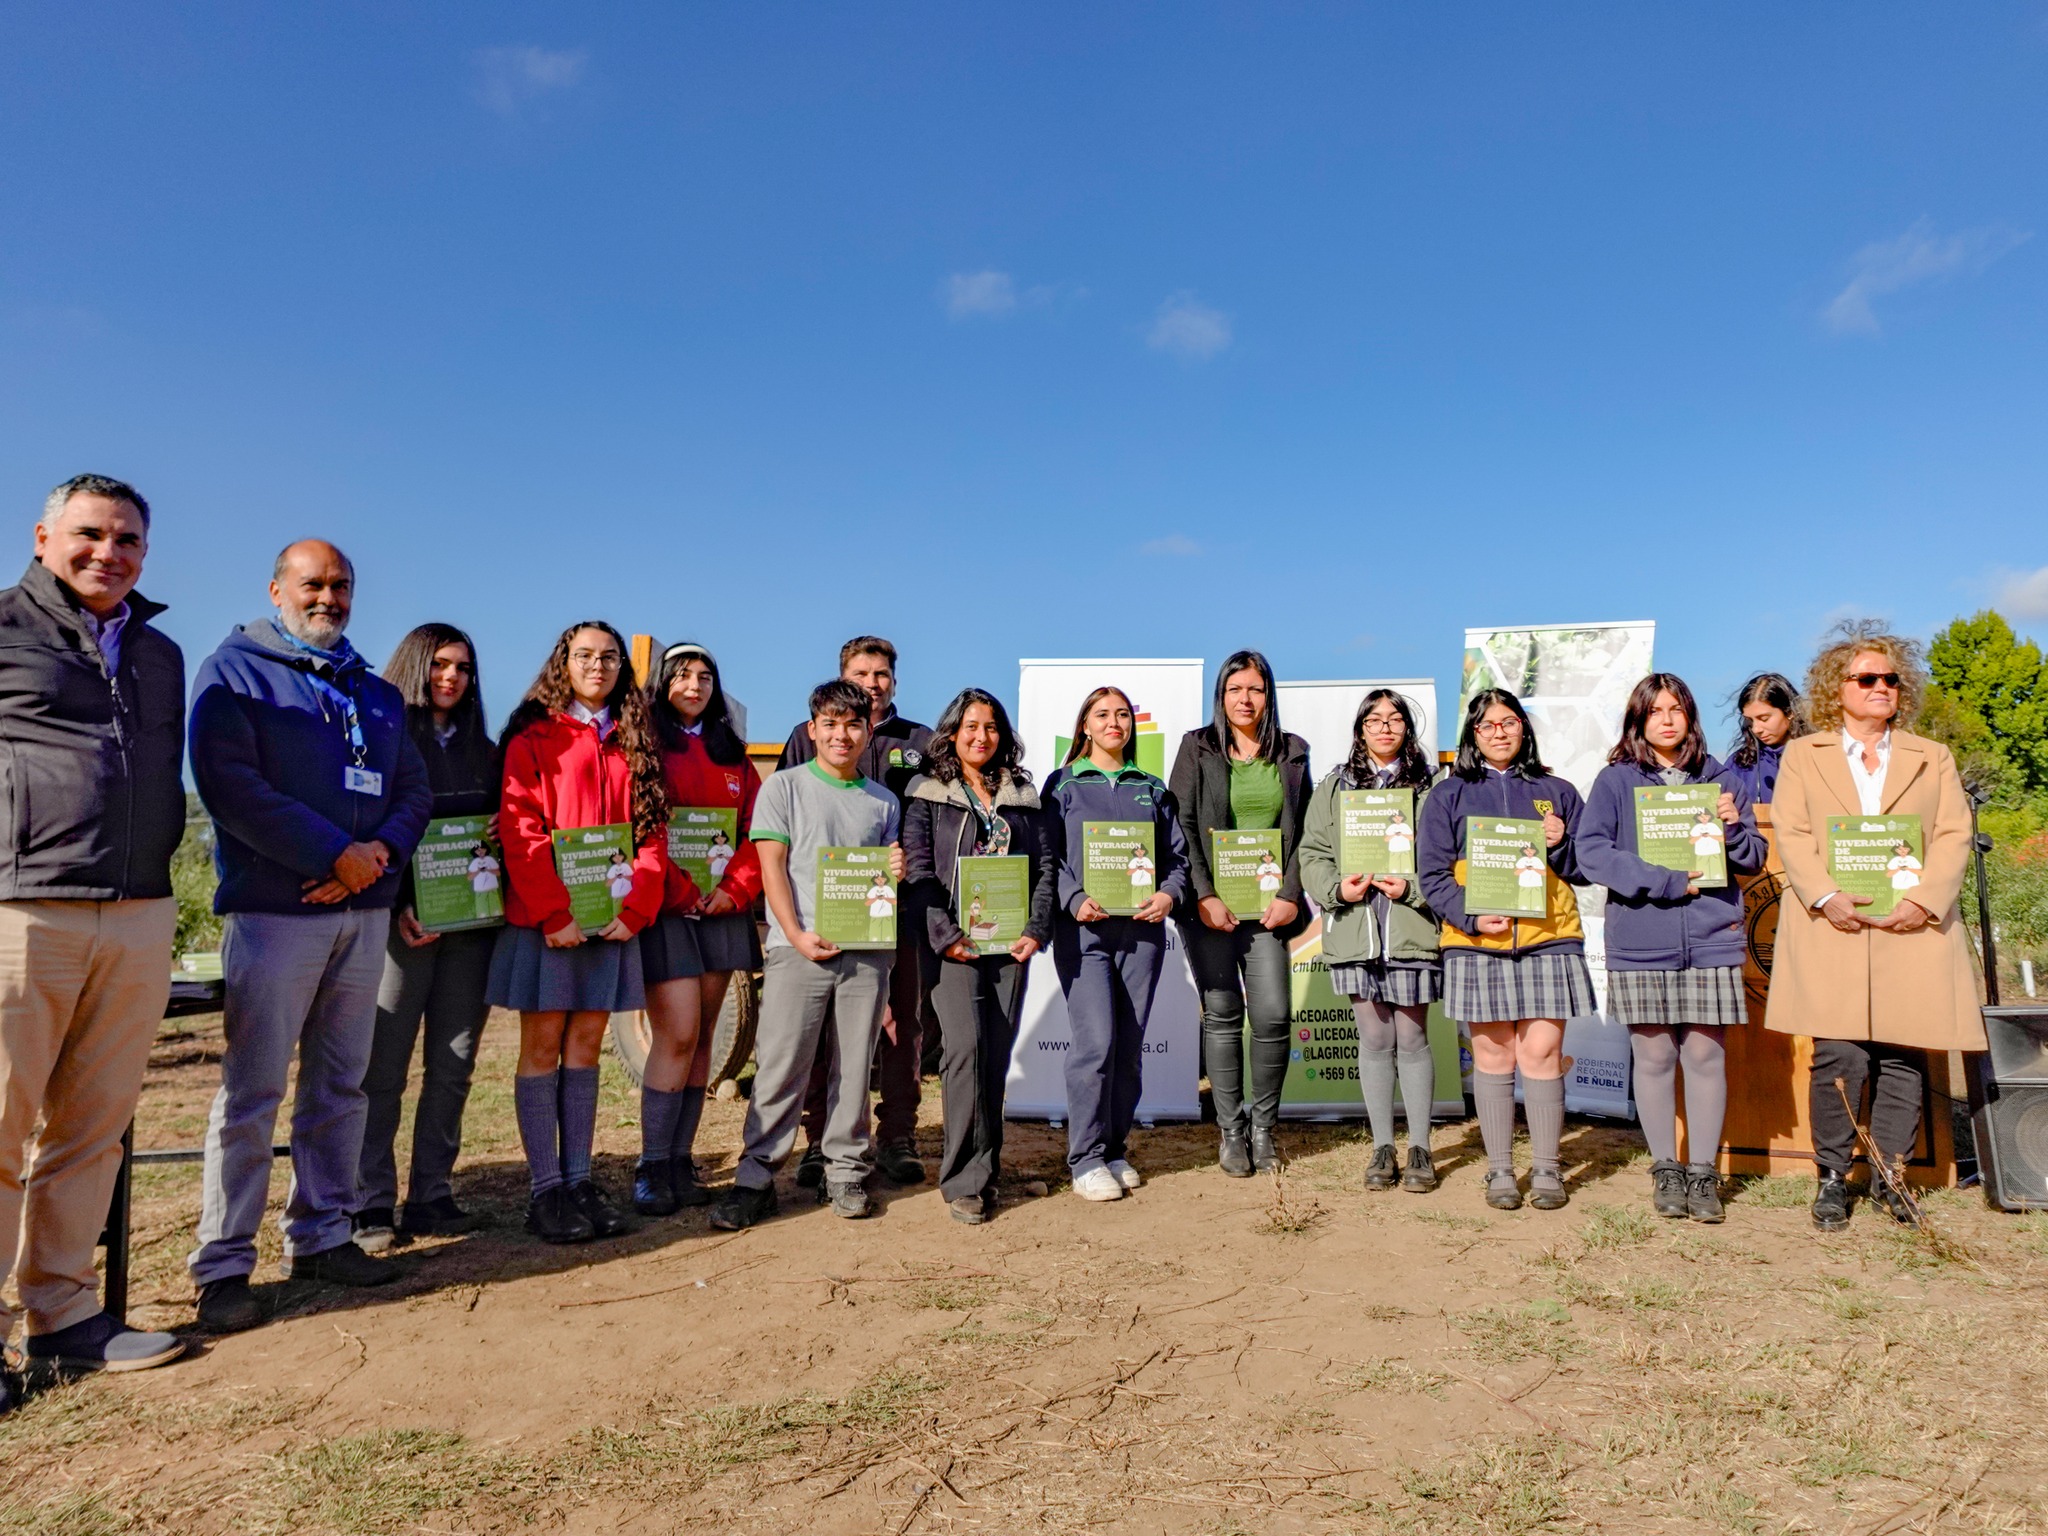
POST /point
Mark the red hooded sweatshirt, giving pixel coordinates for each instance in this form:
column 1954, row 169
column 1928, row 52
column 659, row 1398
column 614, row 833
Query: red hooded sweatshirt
column 694, row 779
column 559, row 775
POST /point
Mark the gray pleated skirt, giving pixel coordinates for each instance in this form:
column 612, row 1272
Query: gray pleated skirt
column 668, row 950
column 1397, row 983
column 1706, row 994
column 1482, row 987
column 729, row 942
column 597, row 976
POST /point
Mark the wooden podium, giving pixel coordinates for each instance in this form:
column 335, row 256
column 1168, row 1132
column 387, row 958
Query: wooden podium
column 1767, row 1129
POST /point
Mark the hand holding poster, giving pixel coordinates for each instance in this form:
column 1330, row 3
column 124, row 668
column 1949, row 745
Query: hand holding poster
column 995, row 901
column 1505, row 867
column 1876, row 856
column 701, row 842
column 457, row 876
column 1245, row 868
column 1119, row 864
column 1679, row 826
column 596, row 864
column 1376, row 832
column 856, row 905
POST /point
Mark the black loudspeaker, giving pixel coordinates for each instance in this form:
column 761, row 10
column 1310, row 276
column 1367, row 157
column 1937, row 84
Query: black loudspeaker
column 2011, row 1115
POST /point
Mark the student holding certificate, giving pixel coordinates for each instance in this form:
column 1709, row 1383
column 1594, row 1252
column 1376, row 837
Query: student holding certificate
column 1513, row 979
column 1675, row 934
column 706, row 929
column 1109, row 937
column 1873, row 992
column 1242, row 773
column 580, row 755
column 432, row 979
column 1379, row 936
column 978, row 854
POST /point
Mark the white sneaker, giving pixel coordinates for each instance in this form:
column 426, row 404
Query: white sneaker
column 374, row 1239
column 1098, row 1184
column 1125, row 1174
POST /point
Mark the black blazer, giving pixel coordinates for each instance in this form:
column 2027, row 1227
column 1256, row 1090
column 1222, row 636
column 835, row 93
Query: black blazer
column 1201, row 791
column 938, row 830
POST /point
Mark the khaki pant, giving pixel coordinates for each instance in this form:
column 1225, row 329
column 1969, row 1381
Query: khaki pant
column 83, row 986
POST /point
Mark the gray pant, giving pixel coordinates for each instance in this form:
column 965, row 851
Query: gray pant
column 798, row 996
column 1245, row 970
column 441, row 983
column 296, row 984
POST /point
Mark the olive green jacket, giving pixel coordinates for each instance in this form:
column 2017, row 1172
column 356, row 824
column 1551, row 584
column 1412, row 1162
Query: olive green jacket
column 1351, row 935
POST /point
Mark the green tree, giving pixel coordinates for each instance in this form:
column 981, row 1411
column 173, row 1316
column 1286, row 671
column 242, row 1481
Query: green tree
column 1987, row 670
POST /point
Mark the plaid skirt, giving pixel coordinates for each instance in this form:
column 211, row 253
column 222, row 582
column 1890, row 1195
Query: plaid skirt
column 1397, row 983
column 1710, row 994
column 1481, row 987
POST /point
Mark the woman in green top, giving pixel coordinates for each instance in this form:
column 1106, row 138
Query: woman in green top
column 1241, row 772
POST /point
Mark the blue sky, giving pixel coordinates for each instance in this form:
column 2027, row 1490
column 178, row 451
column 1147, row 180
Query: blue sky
column 1006, row 331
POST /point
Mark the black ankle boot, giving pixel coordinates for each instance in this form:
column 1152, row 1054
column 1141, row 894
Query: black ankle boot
column 1831, row 1202
column 1234, row 1157
column 1265, row 1153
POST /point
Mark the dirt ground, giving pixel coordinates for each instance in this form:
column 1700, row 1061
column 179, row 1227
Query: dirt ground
column 1210, row 1356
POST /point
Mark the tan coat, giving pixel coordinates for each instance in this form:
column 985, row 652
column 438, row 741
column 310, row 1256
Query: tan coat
column 1917, row 989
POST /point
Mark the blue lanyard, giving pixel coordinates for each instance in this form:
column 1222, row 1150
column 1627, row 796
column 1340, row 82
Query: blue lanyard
column 352, row 723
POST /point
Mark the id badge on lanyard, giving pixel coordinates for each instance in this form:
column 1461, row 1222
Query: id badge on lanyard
column 355, row 778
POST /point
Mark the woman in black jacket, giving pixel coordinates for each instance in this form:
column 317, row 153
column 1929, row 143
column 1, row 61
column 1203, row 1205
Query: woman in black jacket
column 1242, row 773
column 974, row 801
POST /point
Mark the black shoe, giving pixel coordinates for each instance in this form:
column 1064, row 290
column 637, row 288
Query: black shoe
column 848, row 1200
column 229, row 1306
column 606, row 1219
column 343, row 1264
column 437, row 1218
column 1234, row 1156
column 1893, row 1204
column 553, row 1218
column 1668, row 1189
column 899, row 1164
column 689, row 1191
column 654, row 1189
column 1502, row 1192
column 1384, row 1170
column 1703, row 1195
column 1419, row 1178
column 10, row 1386
column 1831, row 1203
column 810, row 1168
column 1265, row 1155
column 743, row 1207
column 374, row 1230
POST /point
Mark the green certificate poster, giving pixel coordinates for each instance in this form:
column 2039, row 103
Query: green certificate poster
column 702, row 841
column 596, row 864
column 1119, row 864
column 856, row 905
column 458, row 876
column 1882, row 857
column 1678, row 826
column 995, row 901
column 1322, row 1056
column 1376, row 831
column 1505, row 867
column 1245, row 867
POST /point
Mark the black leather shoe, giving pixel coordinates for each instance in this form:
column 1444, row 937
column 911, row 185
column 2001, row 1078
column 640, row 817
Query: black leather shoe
column 1703, row 1195
column 899, row 1164
column 552, row 1218
column 1383, row 1172
column 1234, row 1157
column 343, row 1264
column 438, row 1218
column 1419, row 1177
column 1265, row 1153
column 229, row 1306
column 1502, row 1192
column 689, row 1191
column 743, row 1207
column 606, row 1219
column 654, row 1192
column 810, row 1168
column 1667, row 1189
column 1892, row 1204
column 1831, row 1203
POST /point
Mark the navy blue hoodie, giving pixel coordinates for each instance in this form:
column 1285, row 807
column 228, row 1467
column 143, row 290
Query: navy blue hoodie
column 1080, row 792
column 268, row 749
column 1652, row 925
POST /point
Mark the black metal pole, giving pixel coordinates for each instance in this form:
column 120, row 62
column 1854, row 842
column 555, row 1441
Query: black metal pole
column 116, row 1235
column 1979, row 846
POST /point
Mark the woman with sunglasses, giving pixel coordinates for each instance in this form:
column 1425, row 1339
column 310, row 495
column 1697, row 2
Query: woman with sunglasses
column 1512, row 980
column 1875, row 993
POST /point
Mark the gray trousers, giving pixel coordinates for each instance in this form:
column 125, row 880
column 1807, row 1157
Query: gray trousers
column 798, row 996
column 440, row 984
column 303, row 985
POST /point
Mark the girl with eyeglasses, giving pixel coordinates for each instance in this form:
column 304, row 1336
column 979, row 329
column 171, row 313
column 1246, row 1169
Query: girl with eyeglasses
column 1513, row 981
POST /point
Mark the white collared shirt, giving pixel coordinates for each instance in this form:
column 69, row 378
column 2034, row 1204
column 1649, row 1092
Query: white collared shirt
column 601, row 718
column 1869, row 783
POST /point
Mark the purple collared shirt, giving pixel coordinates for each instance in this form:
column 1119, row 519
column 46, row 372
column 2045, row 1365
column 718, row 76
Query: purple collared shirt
column 107, row 632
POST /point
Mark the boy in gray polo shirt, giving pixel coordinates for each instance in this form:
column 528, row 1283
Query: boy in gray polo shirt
column 824, row 803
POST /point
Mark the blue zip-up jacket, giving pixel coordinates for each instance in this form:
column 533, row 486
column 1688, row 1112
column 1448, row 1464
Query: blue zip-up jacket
column 1652, row 925
column 1760, row 779
column 268, row 750
column 1082, row 792
column 1440, row 858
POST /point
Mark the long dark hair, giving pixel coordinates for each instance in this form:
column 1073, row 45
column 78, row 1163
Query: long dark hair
column 1412, row 769
column 1528, row 764
column 721, row 741
column 1778, row 691
column 410, row 671
column 1271, row 741
column 1634, row 747
column 1078, row 746
column 632, row 729
column 942, row 754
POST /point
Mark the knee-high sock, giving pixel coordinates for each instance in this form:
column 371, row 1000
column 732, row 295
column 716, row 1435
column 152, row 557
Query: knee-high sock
column 534, row 1101
column 1543, row 1103
column 1418, row 1092
column 1494, row 1094
column 659, row 1111
column 579, row 1122
column 687, row 1121
column 1656, row 1089
column 1376, row 1066
column 1706, row 1095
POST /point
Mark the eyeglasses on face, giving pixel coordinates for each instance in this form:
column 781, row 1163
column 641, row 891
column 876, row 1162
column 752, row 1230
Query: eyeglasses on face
column 607, row 660
column 1498, row 727
column 1869, row 680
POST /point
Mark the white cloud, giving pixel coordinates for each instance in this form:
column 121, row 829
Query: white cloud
column 2024, row 594
column 1917, row 256
column 1178, row 545
column 508, row 78
column 967, row 294
column 1189, row 329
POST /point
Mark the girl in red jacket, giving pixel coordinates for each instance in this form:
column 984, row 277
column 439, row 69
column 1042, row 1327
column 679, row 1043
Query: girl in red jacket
column 706, row 929
column 580, row 752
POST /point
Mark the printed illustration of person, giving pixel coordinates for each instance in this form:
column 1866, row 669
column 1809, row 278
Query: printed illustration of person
column 1903, row 868
column 719, row 854
column 620, row 873
column 482, row 870
column 1141, row 867
column 1268, row 874
column 978, row 925
column 1400, row 839
column 1708, row 837
column 1529, row 869
column 881, row 908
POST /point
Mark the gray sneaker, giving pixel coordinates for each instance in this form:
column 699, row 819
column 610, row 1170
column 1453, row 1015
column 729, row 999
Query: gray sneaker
column 101, row 1344
column 848, row 1200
